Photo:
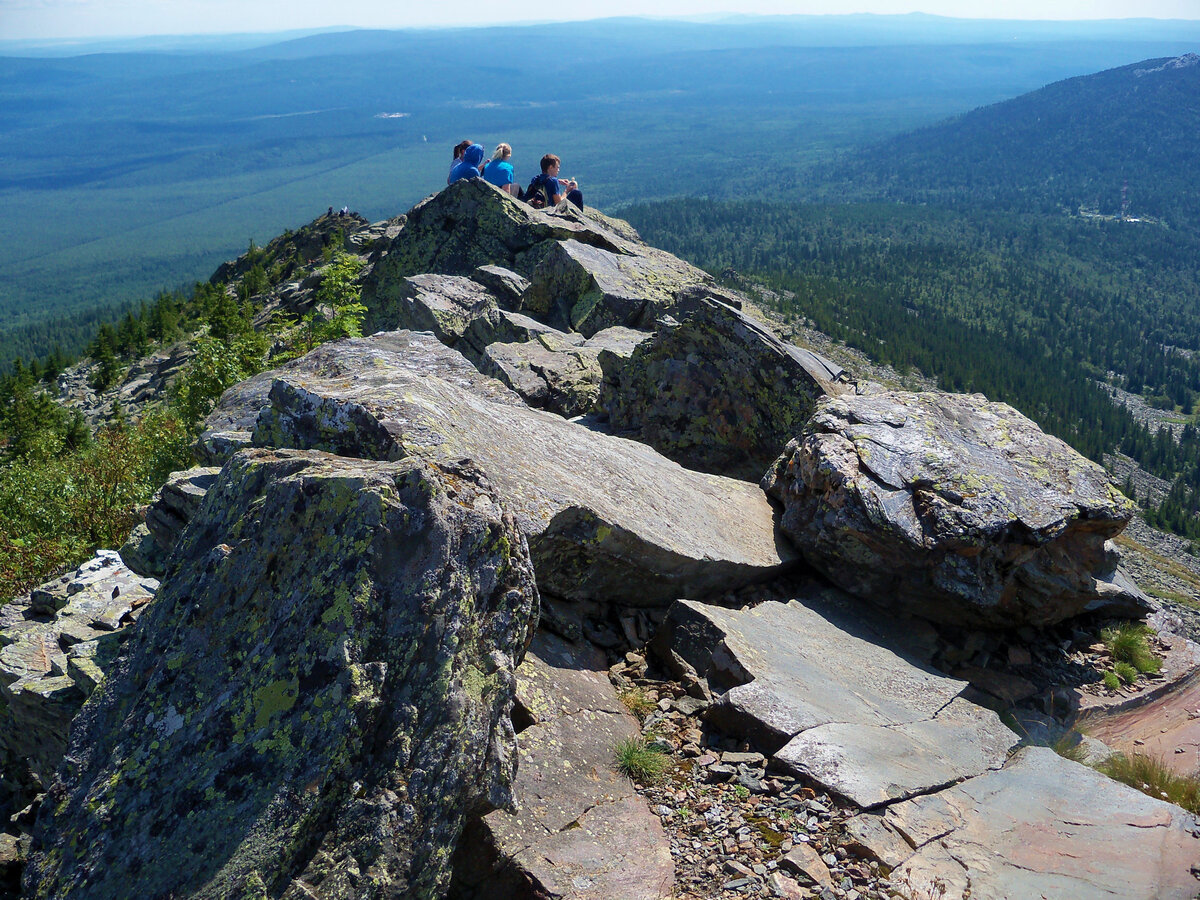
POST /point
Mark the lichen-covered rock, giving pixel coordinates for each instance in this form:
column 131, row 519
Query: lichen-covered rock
column 460, row 312
column 716, row 391
column 560, row 371
column 55, row 644
column 172, row 507
column 470, row 224
column 607, row 519
column 585, row 288
column 228, row 427
column 955, row 508
column 505, row 284
column 318, row 698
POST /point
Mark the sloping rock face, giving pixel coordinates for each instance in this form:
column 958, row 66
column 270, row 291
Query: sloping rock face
column 607, row 519
column 172, row 507
column 582, row 832
column 229, row 426
column 56, row 642
column 1045, row 827
column 716, row 391
column 316, row 700
column 827, row 697
column 957, row 509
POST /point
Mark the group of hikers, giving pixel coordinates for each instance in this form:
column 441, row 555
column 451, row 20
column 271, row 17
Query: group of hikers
column 545, row 189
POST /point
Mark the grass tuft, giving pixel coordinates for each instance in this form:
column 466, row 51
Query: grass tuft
column 1112, row 681
column 639, row 761
column 1153, row 778
column 1070, row 746
column 1129, row 643
column 638, row 702
column 1125, row 672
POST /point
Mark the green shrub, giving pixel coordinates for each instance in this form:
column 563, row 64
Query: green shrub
column 1128, row 643
column 1152, row 777
column 1124, row 671
column 1111, row 681
column 639, row 761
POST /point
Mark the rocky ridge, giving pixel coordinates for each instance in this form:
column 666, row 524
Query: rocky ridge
column 390, row 623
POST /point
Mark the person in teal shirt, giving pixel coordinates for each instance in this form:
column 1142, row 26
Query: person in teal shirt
column 499, row 171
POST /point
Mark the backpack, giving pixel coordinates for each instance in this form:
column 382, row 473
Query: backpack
column 536, row 194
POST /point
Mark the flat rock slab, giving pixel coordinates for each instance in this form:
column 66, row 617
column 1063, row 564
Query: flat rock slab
column 717, row 391
column 832, row 703
column 957, row 509
column 582, row 832
column 561, row 371
column 54, row 646
column 1044, row 826
column 585, row 288
column 317, row 699
column 607, row 519
column 229, row 426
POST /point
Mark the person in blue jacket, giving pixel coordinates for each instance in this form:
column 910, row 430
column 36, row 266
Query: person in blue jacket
column 499, row 171
column 468, row 166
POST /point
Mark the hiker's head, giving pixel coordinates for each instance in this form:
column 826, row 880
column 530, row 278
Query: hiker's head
column 460, row 148
column 473, row 155
column 550, row 161
column 503, row 151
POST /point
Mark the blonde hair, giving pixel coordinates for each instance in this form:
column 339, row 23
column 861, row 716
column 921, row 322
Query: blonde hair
column 503, row 151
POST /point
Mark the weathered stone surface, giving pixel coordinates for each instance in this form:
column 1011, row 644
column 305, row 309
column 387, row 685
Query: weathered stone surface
column 955, row 508
column 831, row 700
column 1044, row 827
column 316, row 700
column 228, row 428
column 54, row 647
column 470, row 224
column 505, row 284
column 804, row 861
column 582, row 832
column 148, row 548
column 460, row 312
column 716, row 391
column 585, row 288
column 606, row 518
column 872, row 838
column 560, row 371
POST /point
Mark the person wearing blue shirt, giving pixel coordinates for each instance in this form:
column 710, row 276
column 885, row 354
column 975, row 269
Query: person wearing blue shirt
column 556, row 188
column 500, row 171
column 468, row 166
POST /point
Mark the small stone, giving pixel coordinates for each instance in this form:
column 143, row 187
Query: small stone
column 785, row 888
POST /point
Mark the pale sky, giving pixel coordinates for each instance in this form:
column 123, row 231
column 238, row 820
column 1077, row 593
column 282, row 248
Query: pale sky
column 21, row 19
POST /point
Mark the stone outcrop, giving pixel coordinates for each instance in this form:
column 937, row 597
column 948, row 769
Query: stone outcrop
column 955, row 508
column 832, row 700
column 316, row 700
column 55, row 644
column 716, row 391
column 606, row 518
column 172, row 507
column 1044, row 827
column 560, row 371
column 581, row 833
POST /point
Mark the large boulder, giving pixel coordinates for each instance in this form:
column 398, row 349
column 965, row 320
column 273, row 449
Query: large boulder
column 1044, row 826
column 955, row 508
column 560, row 371
column 607, row 519
column 470, row 224
column 585, row 288
column 824, row 692
column 716, row 391
column 315, row 702
column 581, row 832
column 172, row 507
column 230, row 424
column 57, row 641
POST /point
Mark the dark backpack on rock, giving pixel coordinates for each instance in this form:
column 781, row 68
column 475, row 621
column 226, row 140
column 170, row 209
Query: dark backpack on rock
column 536, row 195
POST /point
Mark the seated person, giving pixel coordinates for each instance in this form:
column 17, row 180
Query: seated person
column 554, row 189
column 458, row 152
column 468, row 166
column 499, row 171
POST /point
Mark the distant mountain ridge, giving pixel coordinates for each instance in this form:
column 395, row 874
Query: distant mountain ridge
column 1074, row 143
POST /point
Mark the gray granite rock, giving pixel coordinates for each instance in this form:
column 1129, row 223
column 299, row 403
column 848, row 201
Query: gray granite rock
column 716, row 391
column 831, row 699
column 1044, row 826
column 952, row 507
column 316, row 701
column 172, row 507
column 606, row 518
column 505, row 284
